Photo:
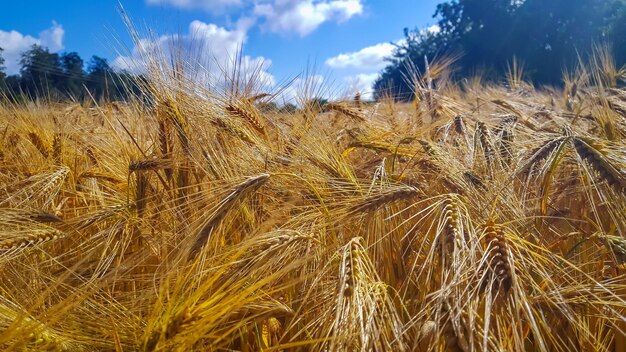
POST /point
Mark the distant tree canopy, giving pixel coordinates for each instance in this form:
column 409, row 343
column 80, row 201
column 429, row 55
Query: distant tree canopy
column 2, row 68
column 548, row 36
column 61, row 76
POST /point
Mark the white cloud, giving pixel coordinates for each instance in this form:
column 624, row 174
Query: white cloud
column 206, row 43
column 361, row 67
column 303, row 88
column 15, row 43
column 208, row 5
column 217, row 38
column 207, row 47
column 361, row 83
column 366, row 63
column 280, row 16
column 369, row 58
column 53, row 37
column 304, row 16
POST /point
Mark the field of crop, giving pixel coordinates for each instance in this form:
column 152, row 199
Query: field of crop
column 479, row 217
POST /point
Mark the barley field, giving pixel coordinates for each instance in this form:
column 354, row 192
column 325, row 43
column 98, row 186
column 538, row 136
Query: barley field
column 481, row 216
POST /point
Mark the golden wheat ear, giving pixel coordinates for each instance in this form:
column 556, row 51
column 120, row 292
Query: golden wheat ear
column 226, row 204
column 247, row 112
column 365, row 317
column 155, row 163
column 614, row 175
column 541, row 153
column 346, row 110
column 459, row 125
column 498, row 265
column 39, row 143
column 376, row 201
column 29, row 240
column 43, row 217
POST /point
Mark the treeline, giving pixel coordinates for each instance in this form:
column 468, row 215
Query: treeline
column 64, row 76
column 547, row 36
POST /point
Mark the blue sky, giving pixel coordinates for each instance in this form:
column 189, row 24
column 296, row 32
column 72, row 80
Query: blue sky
column 345, row 39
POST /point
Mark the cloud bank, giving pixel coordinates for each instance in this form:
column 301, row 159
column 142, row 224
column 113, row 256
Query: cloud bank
column 207, row 47
column 304, row 17
column 15, row 43
column 286, row 17
column 366, row 63
column 368, row 58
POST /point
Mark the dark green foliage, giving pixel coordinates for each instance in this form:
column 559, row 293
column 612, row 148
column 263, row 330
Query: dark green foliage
column 317, row 103
column 62, row 76
column 267, row 106
column 3, row 76
column 2, row 68
column 547, row 36
column 288, row 108
column 41, row 72
column 73, row 74
column 394, row 79
column 97, row 70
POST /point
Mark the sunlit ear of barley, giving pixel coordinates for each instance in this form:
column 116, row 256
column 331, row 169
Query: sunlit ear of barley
column 358, row 311
column 209, row 225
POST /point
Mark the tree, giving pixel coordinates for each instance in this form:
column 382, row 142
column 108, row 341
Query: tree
column 41, row 71
column 98, row 66
column 97, row 71
column 13, row 82
column 395, row 78
column 57, row 76
column 267, row 106
column 288, row 108
column 73, row 75
column 548, row 36
column 104, row 82
column 481, row 29
column 2, row 68
column 555, row 33
column 3, row 84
